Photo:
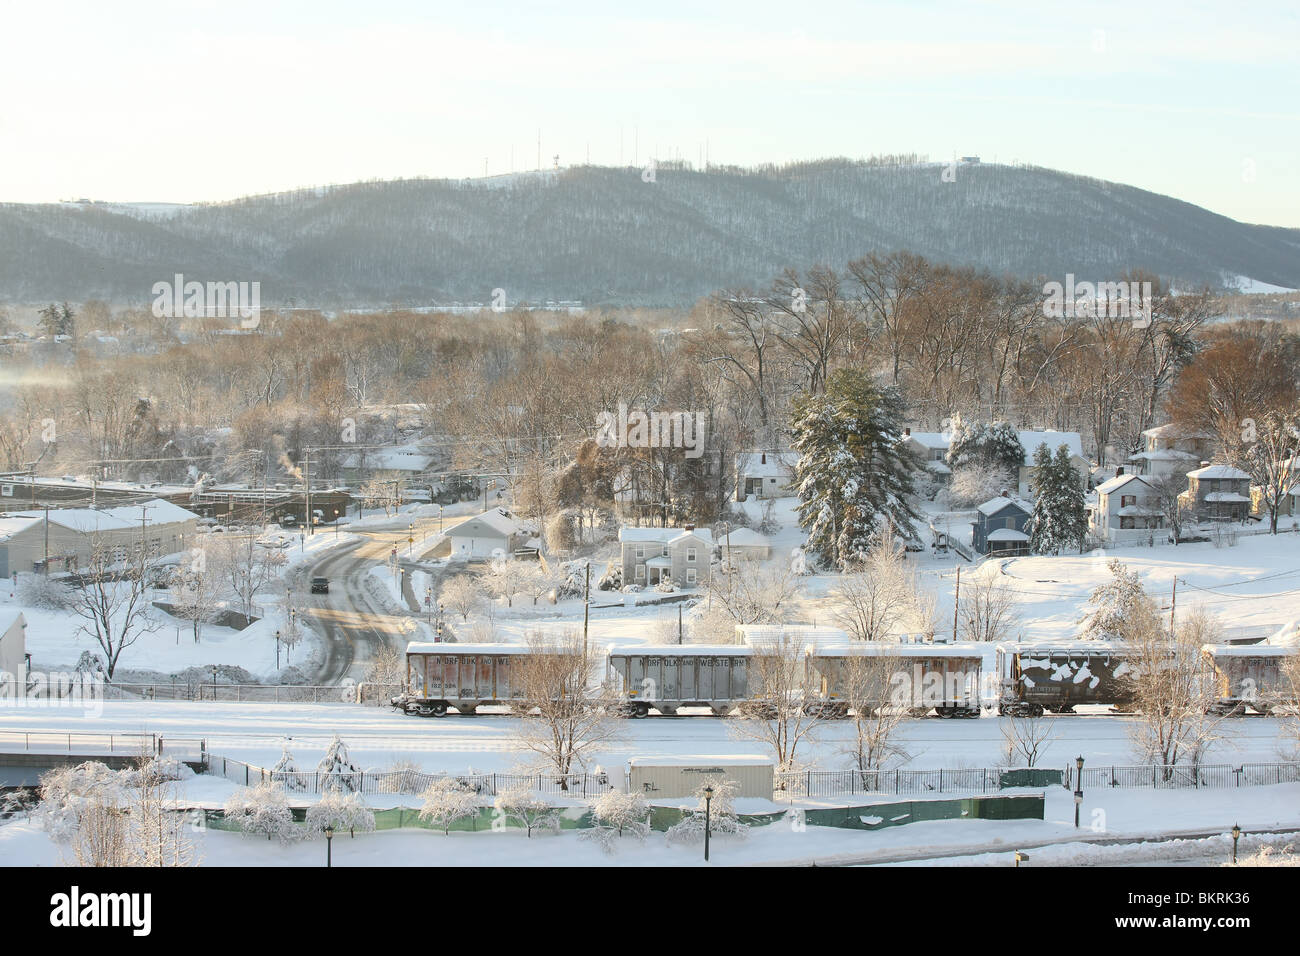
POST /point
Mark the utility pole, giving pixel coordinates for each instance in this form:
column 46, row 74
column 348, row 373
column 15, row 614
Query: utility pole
column 144, row 519
column 956, row 597
column 1173, row 602
column 45, row 567
column 679, row 623
column 306, row 481
column 586, row 610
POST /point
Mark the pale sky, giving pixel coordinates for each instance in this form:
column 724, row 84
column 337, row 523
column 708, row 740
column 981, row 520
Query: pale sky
column 189, row 101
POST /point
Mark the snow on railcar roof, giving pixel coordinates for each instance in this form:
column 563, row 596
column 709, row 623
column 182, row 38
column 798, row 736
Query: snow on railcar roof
column 694, row 760
column 451, row 647
column 680, row 650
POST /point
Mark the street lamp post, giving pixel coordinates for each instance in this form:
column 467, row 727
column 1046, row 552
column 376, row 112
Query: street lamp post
column 1078, row 788
column 277, row 649
column 336, row 522
column 708, row 821
column 1236, row 835
column 329, row 846
column 214, row 681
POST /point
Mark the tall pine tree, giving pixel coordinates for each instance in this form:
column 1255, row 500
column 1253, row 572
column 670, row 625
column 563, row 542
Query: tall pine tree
column 854, row 475
column 1059, row 518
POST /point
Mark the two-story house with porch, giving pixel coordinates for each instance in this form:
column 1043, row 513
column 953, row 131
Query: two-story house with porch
column 1218, row 493
column 680, row 555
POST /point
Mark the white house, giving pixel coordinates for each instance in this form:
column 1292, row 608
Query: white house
column 765, row 474
column 745, row 545
column 930, row 448
column 1170, row 449
column 13, row 648
column 494, row 533
column 1127, row 511
column 680, row 555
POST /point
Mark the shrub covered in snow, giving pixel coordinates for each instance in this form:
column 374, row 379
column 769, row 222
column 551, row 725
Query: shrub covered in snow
column 446, row 801
column 528, row 810
column 337, row 771
column 263, row 809
column 341, row 812
column 722, row 819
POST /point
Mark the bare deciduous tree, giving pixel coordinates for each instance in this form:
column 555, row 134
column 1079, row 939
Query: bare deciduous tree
column 780, row 688
column 566, row 718
column 987, row 611
column 112, row 597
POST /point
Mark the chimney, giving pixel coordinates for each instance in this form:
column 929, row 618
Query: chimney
column 763, row 459
column 1205, row 464
column 1119, row 471
column 689, row 527
column 907, row 433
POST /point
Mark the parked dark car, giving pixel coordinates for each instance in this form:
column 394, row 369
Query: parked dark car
column 320, row 585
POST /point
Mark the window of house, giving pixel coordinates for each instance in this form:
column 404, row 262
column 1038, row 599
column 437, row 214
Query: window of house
column 690, row 554
column 1126, row 522
column 1127, row 501
column 640, row 551
column 690, row 575
column 663, row 552
column 640, row 572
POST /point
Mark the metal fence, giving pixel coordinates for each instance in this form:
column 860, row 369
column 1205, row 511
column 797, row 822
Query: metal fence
column 366, row 782
column 238, row 693
column 1185, row 776
column 189, row 749
column 820, row 783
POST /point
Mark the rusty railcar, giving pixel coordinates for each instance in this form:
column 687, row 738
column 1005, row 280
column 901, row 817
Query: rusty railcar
column 1059, row 676
column 1249, row 676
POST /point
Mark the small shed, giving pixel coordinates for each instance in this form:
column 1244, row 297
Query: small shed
column 682, row 776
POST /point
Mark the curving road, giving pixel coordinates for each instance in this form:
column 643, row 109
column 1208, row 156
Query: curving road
column 353, row 622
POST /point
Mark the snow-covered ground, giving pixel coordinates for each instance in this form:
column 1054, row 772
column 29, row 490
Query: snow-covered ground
column 1132, row 817
column 55, row 638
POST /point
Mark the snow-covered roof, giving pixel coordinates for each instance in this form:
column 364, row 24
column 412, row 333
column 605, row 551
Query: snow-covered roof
column 930, row 439
column 1119, row 481
column 1171, row 430
column 680, row 650
column 89, row 520
column 1217, row 471
column 1163, row 454
column 745, row 538
column 431, row 647
column 776, row 465
column 393, row 458
column 966, row 651
column 1226, row 497
column 494, row 518
column 1053, row 439
column 659, row 561
column 1248, row 650
column 1007, row 534
column 702, row 760
column 663, row 535
column 11, row 524
column 994, row 505
column 938, row 467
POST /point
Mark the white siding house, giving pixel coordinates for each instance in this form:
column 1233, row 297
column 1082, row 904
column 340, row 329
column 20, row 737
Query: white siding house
column 492, row 534
column 1127, row 511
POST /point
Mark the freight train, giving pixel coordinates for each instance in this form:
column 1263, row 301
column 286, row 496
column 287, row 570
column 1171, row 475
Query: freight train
column 1036, row 678
column 717, row 678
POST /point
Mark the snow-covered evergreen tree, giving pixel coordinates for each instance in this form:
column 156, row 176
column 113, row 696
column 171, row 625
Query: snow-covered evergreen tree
column 1118, row 609
column 446, row 801
column 853, row 473
column 1059, row 518
column 993, row 447
column 286, row 772
column 336, row 771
